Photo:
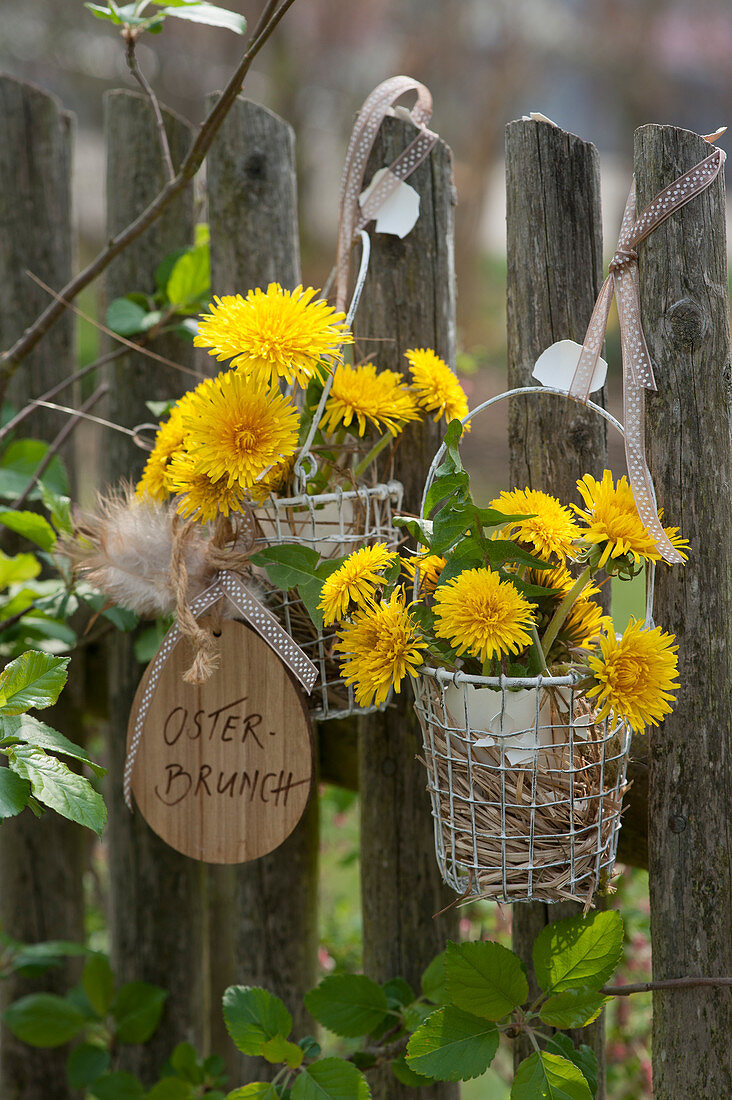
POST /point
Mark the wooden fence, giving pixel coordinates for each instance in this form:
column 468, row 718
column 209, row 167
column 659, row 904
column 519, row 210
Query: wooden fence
column 195, row 929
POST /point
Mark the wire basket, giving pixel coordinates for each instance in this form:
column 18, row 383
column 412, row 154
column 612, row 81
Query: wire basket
column 526, row 785
column 333, row 524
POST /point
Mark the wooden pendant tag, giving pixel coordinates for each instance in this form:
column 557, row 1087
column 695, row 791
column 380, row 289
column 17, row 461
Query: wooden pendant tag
column 223, row 770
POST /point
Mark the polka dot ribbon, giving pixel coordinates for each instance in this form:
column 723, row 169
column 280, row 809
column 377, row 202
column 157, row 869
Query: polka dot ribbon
column 622, row 281
column 352, row 215
column 227, row 585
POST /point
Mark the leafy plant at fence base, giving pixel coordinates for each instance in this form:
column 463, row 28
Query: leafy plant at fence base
column 471, row 995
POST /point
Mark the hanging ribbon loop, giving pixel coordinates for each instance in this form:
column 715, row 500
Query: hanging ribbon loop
column 352, row 216
column 623, row 283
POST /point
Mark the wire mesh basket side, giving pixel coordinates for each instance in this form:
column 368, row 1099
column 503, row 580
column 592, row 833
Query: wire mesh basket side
column 333, row 524
column 523, row 810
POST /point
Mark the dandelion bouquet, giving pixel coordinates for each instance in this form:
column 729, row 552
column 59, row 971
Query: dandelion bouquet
column 526, row 696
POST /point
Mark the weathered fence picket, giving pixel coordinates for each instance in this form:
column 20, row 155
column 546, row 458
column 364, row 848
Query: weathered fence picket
column 273, row 902
column 685, row 309
column 41, row 862
column 408, row 301
column 157, row 896
column 554, row 249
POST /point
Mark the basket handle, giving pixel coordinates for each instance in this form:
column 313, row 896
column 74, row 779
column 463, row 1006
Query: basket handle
column 520, row 391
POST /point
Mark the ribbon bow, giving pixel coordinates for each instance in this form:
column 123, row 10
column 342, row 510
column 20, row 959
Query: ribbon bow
column 622, row 281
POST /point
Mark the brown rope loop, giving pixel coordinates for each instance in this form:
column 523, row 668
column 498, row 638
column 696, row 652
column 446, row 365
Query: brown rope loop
column 204, row 644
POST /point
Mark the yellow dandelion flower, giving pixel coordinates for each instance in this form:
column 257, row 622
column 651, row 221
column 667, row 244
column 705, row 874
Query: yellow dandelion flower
column 480, row 614
column 585, row 623
column 635, row 675
column 362, row 394
column 355, row 582
column 168, row 441
column 436, row 386
column 430, row 566
column 552, row 530
column 200, row 497
column 380, row 647
column 277, row 333
column 611, row 518
column 238, row 430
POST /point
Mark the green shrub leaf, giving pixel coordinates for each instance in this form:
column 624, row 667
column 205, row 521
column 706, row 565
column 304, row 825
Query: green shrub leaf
column 398, row 993
column 85, row 1064
column 136, row 1011
column 348, row 1004
column 257, row 1090
column 452, row 1045
column 279, row 1049
column 434, row 981
column 44, row 1020
column 32, row 680
column 125, row 317
column 190, row 278
column 57, row 787
column 14, row 793
column 331, row 1079
column 573, row 1008
column 31, row 526
column 206, row 13
column 98, row 982
column 583, row 1057
column 253, row 1016
column 407, row 1076
column 579, row 952
column 171, row 1088
column 485, row 978
column 549, row 1077
column 117, row 1086
column 24, row 727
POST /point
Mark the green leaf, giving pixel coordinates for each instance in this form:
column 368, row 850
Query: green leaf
column 57, row 787
column 25, row 727
column 44, row 1020
column 58, row 507
column 117, row 1086
column 85, row 1064
column 19, row 464
column 398, row 993
column 125, row 317
column 485, row 978
column 549, row 1077
column 33, row 959
column 118, row 616
column 171, row 1088
column 501, row 551
column 573, row 1008
column 451, row 485
column 31, row 680
column 208, row 14
column 15, row 570
column 579, row 952
column 452, row 1045
column 103, row 13
column 31, row 526
column 14, row 793
column 419, row 529
column 434, row 981
column 190, row 277
column 407, row 1076
column 98, row 982
column 136, row 1010
column 257, row 1090
column 348, row 1004
column 289, row 565
column 164, row 268
column 184, row 1061
column 331, row 1079
column 449, row 524
column 253, row 1016
column 280, row 1049
column 584, row 1058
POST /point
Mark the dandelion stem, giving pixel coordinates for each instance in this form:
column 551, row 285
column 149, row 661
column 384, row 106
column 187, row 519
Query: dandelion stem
column 373, row 454
column 559, row 616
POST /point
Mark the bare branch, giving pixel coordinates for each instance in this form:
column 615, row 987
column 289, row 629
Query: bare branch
column 132, row 65
column 58, row 443
column 12, row 358
column 667, row 983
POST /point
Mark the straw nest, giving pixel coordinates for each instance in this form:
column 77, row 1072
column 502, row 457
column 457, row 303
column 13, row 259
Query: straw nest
column 544, row 830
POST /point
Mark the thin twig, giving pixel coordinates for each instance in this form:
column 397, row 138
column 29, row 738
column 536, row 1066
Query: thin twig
column 110, row 332
column 75, row 377
column 666, row 983
column 132, row 65
column 12, row 358
column 57, row 444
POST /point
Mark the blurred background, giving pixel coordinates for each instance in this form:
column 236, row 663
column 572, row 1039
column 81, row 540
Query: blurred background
column 599, row 68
